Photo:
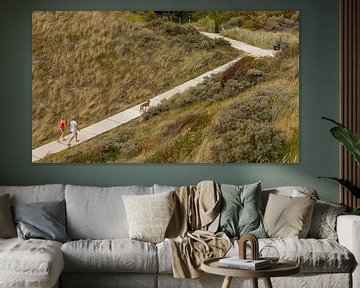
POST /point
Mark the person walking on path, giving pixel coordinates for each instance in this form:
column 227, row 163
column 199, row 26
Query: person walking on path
column 74, row 130
column 62, row 129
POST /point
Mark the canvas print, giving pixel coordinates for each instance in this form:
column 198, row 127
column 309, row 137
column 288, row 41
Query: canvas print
column 165, row 87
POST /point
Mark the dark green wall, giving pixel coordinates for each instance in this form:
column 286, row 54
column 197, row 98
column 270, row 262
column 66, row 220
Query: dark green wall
column 318, row 89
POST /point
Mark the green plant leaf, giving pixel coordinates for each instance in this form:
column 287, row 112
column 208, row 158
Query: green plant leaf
column 349, row 139
column 347, row 184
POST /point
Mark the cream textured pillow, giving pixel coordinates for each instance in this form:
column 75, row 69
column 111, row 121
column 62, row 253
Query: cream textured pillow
column 149, row 215
column 288, row 217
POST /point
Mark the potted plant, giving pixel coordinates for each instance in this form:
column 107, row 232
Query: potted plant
column 351, row 141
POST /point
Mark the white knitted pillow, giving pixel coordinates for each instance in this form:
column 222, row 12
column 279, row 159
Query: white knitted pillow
column 149, row 215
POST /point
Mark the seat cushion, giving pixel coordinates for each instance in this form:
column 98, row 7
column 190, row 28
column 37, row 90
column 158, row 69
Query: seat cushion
column 117, row 255
column 98, row 213
column 313, row 255
column 30, row 263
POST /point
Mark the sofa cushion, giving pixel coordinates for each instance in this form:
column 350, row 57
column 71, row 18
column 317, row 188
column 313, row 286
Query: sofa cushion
column 98, row 213
column 30, row 263
column 109, row 280
column 7, row 227
column 323, row 222
column 149, row 215
column 287, row 216
column 313, row 255
column 43, row 220
column 117, row 255
column 291, row 191
column 34, row 193
column 240, row 210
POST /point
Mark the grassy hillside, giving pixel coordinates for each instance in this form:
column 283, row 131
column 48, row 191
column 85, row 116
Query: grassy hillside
column 263, row 29
column 249, row 113
column 95, row 64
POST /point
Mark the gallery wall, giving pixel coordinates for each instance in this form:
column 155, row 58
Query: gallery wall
column 319, row 74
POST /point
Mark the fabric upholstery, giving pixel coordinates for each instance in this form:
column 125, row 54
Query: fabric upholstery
column 348, row 229
column 313, row 255
column 323, row 222
column 108, row 280
column 30, row 263
column 162, row 188
column 240, row 212
column 148, row 216
column 288, row 217
column 98, row 213
column 34, row 193
column 330, row 280
column 44, row 220
column 117, row 255
column 7, row 227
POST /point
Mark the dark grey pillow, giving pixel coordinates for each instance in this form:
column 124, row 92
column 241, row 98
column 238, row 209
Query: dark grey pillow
column 240, row 213
column 44, row 220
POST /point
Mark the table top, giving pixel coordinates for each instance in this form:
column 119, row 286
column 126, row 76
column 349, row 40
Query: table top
column 281, row 268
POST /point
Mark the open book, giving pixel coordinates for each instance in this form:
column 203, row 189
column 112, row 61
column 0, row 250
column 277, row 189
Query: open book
column 236, row 262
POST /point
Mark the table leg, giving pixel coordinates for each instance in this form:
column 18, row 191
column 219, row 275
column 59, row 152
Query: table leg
column 254, row 282
column 267, row 283
column 227, row 282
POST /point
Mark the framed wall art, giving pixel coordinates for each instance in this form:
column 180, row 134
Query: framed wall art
column 165, row 86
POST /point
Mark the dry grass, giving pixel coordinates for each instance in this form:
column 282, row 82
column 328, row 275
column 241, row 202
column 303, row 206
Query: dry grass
column 95, row 64
column 259, row 38
column 186, row 132
column 254, row 105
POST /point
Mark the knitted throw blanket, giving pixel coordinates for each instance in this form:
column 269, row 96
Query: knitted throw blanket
column 191, row 231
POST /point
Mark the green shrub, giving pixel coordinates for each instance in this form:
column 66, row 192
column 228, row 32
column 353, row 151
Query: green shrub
column 251, row 142
column 234, row 22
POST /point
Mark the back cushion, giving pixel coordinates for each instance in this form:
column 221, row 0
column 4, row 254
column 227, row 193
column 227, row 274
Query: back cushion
column 35, row 193
column 163, row 188
column 292, row 191
column 98, row 213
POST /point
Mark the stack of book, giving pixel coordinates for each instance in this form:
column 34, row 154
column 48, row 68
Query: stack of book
column 248, row 264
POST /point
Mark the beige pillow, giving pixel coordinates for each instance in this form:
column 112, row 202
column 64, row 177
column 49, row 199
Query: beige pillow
column 288, row 217
column 148, row 215
column 7, row 226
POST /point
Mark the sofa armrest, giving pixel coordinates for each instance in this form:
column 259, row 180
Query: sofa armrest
column 348, row 230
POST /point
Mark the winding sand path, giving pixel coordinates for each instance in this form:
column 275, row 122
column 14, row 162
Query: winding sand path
column 125, row 116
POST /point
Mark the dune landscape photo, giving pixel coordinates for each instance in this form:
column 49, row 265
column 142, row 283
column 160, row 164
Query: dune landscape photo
column 165, row 87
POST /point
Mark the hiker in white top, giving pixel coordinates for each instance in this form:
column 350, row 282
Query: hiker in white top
column 74, row 130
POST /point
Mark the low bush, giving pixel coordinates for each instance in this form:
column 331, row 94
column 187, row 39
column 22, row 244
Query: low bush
column 252, row 142
column 245, row 131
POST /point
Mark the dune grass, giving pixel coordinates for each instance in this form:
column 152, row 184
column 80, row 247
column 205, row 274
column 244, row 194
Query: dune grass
column 261, row 38
column 92, row 65
column 249, row 113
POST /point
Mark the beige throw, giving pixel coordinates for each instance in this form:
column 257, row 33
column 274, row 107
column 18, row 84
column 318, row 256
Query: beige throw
column 191, row 230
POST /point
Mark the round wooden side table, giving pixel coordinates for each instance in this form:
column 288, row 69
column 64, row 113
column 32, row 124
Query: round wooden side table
column 281, row 268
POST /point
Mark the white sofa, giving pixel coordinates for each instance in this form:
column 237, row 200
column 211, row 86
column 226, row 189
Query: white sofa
column 101, row 254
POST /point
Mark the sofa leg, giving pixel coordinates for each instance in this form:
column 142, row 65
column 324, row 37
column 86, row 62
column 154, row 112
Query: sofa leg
column 254, row 282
